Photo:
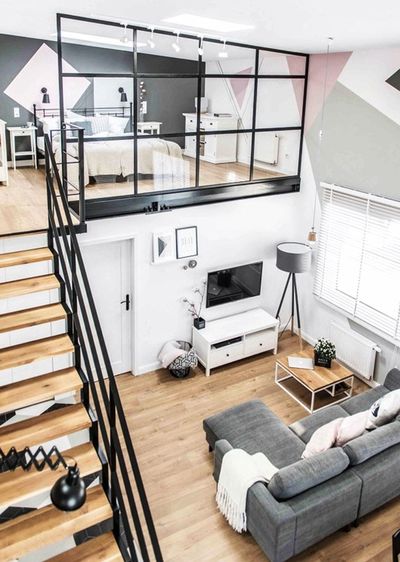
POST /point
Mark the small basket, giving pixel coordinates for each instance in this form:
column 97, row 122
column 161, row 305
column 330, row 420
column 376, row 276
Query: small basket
column 183, row 372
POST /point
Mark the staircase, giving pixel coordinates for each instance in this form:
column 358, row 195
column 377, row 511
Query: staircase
column 36, row 530
column 53, row 366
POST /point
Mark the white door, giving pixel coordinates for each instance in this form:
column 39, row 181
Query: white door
column 108, row 267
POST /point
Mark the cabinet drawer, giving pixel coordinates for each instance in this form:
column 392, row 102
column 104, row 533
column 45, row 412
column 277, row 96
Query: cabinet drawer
column 23, row 133
column 260, row 341
column 227, row 354
column 191, row 122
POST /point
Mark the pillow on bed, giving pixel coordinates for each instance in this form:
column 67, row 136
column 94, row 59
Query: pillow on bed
column 85, row 125
column 100, row 124
column 118, row 125
column 49, row 124
column 71, row 116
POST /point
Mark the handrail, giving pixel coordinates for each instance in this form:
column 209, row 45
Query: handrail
column 90, row 347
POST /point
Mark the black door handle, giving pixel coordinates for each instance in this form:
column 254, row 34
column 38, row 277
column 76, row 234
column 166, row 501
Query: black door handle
column 127, row 302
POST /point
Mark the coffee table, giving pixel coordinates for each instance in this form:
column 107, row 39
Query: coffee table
column 323, row 386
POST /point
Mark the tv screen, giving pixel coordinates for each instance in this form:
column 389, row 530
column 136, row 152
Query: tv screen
column 233, row 284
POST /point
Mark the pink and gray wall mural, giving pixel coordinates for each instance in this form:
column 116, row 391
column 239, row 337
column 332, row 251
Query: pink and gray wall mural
column 361, row 141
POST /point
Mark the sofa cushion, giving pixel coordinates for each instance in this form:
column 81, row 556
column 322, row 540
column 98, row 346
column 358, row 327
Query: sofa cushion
column 372, row 443
column 254, row 428
column 364, row 401
column 306, row 427
column 392, row 381
column 307, row 473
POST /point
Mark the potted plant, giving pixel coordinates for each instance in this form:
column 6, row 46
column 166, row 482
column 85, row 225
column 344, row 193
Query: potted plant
column 195, row 310
column 324, row 352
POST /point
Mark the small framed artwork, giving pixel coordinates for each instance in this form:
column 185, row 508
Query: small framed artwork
column 163, row 246
column 186, row 242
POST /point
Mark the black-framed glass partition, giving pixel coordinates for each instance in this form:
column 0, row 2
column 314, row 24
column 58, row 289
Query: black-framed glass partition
column 176, row 119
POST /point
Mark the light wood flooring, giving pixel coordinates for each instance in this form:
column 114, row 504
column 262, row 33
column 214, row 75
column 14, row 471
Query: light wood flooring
column 23, row 204
column 165, row 416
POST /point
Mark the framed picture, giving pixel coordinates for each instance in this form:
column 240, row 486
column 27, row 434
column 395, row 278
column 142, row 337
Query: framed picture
column 163, row 246
column 186, row 242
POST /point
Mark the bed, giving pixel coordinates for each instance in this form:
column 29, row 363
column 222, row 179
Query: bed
column 112, row 160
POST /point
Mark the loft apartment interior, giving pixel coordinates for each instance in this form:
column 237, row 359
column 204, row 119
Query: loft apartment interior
column 199, row 281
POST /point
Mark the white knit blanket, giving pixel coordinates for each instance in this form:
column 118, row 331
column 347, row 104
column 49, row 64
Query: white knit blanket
column 239, row 471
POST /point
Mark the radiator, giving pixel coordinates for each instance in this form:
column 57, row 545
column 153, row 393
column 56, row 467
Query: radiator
column 267, row 150
column 354, row 350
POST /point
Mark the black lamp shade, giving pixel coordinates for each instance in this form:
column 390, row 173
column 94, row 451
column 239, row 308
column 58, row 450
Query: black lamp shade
column 46, row 97
column 123, row 94
column 293, row 257
column 69, row 492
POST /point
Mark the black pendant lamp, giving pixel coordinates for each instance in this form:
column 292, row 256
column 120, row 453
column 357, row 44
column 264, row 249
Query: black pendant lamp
column 123, row 94
column 69, row 492
column 46, row 97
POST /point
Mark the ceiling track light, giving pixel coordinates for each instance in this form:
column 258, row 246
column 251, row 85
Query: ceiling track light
column 223, row 54
column 124, row 38
column 175, row 44
column 151, row 42
column 200, row 50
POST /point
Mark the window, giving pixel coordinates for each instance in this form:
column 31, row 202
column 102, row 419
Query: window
column 358, row 263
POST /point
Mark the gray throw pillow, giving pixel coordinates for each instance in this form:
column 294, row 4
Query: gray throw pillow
column 307, row 473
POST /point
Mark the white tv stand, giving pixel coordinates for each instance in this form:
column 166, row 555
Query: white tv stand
column 235, row 337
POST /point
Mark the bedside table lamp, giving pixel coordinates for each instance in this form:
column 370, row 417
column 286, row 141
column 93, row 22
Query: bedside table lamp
column 293, row 257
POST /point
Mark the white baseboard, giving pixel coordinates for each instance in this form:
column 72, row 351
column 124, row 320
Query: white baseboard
column 143, row 369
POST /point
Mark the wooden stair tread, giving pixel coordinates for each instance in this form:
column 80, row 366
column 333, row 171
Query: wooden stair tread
column 25, row 353
column 48, row 525
column 25, row 256
column 32, row 317
column 19, row 485
column 38, row 389
column 47, row 427
column 29, row 285
column 101, row 549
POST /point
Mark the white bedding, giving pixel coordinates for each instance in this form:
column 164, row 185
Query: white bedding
column 157, row 157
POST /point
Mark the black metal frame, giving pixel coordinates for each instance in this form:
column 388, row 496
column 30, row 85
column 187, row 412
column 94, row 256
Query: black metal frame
column 120, row 470
column 197, row 194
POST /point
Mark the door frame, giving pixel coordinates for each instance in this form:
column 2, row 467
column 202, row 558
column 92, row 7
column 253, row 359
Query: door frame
column 133, row 281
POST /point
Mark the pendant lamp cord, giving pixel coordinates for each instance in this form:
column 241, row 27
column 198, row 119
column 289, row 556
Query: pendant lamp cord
column 330, row 39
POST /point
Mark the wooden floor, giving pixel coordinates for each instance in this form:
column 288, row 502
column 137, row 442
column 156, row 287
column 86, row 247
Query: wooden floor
column 165, row 416
column 23, row 201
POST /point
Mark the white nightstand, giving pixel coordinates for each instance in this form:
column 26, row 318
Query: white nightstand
column 153, row 127
column 22, row 132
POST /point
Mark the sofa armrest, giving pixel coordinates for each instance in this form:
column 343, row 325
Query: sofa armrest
column 221, row 447
column 271, row 523
column 392, row 380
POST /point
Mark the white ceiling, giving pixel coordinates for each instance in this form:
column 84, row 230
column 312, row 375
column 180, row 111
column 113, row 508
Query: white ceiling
column 301, row 25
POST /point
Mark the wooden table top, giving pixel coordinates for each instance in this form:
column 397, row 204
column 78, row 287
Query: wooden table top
column 319, row 377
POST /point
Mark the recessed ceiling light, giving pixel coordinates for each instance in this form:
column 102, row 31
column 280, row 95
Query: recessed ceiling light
column 198, row 22
column 115, row 41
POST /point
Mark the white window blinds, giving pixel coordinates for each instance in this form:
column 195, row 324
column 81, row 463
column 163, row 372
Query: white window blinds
column 358, row 262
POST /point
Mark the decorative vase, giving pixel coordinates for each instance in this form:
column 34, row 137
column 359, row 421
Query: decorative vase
column 321, row 361
column 199, row 323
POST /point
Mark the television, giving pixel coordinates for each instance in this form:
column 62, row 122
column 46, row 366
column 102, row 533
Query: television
column 234, row 283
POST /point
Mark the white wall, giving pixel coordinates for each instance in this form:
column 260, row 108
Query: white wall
column 229, row 233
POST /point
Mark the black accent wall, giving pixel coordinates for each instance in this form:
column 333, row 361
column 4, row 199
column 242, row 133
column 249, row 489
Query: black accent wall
column 167, row 98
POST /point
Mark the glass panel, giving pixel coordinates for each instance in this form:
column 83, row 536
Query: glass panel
column 160, row 53
column 230, row 102
column 279, row 103
column 278, row 63
column 226, row 59
column 276, row 154
column 89, row 47
column 164, row 103
column 225, row 158
column 163, row 166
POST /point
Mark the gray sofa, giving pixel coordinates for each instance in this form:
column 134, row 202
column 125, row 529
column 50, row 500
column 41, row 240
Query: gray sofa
column 309, row 499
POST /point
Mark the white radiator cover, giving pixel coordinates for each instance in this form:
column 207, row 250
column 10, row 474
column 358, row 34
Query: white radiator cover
column 355, row 350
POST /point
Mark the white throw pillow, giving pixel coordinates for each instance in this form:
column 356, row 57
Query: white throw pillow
column 384, row 410
column 118, row 125
column 72, row 116
column 100, row 124
column 50, row 124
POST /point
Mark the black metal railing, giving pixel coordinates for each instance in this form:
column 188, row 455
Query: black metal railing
column 121, row 478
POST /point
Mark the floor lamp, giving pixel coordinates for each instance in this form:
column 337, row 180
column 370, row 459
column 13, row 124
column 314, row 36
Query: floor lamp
column 293, row 257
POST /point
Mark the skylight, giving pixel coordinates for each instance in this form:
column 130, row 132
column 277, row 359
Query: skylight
column 210, row 24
